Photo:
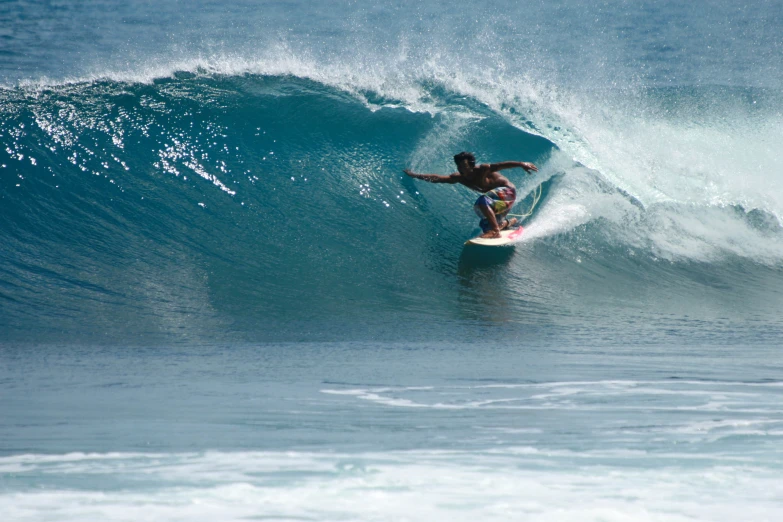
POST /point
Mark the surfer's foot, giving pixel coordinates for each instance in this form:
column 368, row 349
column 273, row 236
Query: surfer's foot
column 508, row 223
column 491, row 234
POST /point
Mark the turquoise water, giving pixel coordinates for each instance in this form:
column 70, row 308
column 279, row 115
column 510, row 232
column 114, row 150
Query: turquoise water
column 221, row 298
column 389, row 431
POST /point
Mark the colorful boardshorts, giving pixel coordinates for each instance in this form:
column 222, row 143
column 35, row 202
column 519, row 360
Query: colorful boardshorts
column 500, row 200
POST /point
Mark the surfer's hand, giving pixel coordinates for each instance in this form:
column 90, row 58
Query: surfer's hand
column 529, row 167
column 409, row 173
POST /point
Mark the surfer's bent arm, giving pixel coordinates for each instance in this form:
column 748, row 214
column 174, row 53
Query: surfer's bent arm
column 434, row 178
column 529, row 167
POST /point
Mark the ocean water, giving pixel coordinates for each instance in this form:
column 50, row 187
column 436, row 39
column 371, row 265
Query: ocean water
column 221, row 298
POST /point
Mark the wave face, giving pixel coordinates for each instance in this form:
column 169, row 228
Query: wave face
column 273, row 206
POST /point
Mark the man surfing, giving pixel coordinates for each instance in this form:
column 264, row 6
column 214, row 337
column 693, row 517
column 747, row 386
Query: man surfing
column 499, row 194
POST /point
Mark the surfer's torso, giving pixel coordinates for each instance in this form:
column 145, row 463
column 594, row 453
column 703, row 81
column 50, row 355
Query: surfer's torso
column 483, row 179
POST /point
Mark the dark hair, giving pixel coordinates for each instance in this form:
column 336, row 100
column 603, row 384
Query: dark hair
column 465, row 156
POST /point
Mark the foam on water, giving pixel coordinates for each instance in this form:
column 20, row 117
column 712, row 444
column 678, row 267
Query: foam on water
column 697, row 396
column 415, row 485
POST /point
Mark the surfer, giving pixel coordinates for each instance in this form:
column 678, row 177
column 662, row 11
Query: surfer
column 499, row 194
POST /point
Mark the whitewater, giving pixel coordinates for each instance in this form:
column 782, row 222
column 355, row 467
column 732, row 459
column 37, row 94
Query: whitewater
column 222, row 299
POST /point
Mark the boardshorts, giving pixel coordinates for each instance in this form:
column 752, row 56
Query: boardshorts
column 500, row 200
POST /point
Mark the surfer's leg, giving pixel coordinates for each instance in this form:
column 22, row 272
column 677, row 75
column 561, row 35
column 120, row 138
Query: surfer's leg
column 502, row 199
column 493, row 229
column 489, row 224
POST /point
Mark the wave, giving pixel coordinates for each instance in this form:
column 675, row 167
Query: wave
column 205, row 202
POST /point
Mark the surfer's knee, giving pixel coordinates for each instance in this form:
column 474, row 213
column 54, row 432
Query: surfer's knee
column 482, row 201
column 482, row 206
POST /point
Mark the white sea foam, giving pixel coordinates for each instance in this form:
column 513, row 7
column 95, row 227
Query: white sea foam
column 719, row 409
column 417, row 485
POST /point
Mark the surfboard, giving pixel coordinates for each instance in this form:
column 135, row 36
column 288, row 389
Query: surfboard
column 507, row 237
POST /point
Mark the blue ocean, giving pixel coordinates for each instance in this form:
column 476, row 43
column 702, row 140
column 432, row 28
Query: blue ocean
column 221, row 298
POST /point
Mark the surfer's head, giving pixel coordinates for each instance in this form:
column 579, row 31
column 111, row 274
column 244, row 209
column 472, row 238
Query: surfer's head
column 460, row 159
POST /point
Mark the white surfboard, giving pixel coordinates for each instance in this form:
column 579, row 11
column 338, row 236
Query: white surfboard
column 507, row 237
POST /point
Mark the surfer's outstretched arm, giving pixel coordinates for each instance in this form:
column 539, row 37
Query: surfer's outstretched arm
column 529, row 167
column 434, row 178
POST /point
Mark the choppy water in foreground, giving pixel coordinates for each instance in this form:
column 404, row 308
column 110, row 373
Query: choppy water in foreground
column 367, row 431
